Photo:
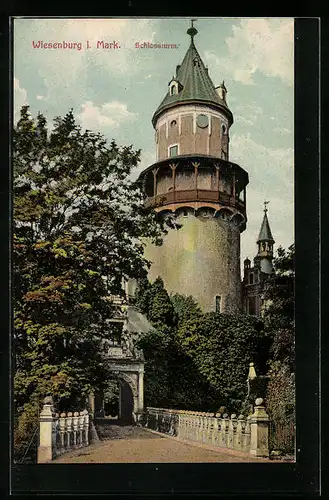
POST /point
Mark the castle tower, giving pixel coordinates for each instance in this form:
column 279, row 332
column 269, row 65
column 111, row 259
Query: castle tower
column 254, row 278
column 194, row 178
column 265, row 244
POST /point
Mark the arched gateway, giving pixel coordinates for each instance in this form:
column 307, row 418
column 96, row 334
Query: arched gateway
column 126, row 364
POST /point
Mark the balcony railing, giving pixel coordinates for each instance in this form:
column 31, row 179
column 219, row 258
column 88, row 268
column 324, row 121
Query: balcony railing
column 190, row 195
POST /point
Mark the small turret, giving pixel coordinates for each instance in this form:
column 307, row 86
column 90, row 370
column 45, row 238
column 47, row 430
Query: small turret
column 265, row 244
column 222, row 91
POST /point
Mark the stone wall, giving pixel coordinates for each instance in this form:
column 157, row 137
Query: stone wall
column 178, row 126
column 201, row 259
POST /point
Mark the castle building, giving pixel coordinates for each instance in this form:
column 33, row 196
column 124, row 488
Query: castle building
column 194, row 178
column 254, row 278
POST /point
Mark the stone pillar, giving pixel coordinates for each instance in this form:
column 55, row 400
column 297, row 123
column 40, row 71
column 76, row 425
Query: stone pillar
column 155, row 171
column 259, row 423
column 217, row 177
column 233, row 186
column 140, row 391
column 46, row 447
column 91, row 404
column 196, row 166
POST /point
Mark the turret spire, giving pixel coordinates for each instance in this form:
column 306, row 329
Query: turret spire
column 194, row 84
column 265, row 206
column 265, row 231
column 192, row 31
column 265, row 244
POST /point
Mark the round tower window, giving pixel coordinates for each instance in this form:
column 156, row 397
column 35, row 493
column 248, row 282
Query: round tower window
column 224, row 129
column 173, row 123
column 202, row 121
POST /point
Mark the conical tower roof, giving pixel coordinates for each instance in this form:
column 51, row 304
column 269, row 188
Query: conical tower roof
column 265, row 230
column 194, row 84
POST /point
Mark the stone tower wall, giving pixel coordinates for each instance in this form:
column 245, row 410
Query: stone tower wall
column 201, row 259
column 178, row 126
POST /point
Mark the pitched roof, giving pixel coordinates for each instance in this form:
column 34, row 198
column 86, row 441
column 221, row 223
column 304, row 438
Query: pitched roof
column 196, row 85
column 265, row 231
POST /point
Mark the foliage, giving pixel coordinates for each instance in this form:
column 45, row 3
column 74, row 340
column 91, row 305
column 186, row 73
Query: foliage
column 111, row 398
column 79, row 223
column 143, row 295
column 280, row 327
column 160, row 310
column 25, row 433
column 186, row 307
column 222, row 346
column 197, row 360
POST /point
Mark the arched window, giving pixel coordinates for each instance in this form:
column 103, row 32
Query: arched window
column 218, row 303
column 173, row 90
column 251, row 279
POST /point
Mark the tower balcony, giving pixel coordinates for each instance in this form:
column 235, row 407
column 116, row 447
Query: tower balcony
column 196, row 180
column 196, row 195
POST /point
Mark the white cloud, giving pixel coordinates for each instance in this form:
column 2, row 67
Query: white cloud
column 40, row 97
column 265, row 45
column 67, row 68
column 282, row 130
column 271, row 177
column 250, row 115
column 269, row 166
column 147, row 159
column 20, row 99
column 108, row 115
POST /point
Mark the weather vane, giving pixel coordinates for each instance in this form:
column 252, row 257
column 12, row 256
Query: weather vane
column 192, row 31
column 265, row 205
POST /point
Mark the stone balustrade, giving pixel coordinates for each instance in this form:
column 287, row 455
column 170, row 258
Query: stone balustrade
column 247, row 434
column 62, row 432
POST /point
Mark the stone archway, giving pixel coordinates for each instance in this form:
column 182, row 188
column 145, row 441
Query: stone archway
column 126, row 403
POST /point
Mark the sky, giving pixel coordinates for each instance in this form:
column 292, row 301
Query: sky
column 116, row 90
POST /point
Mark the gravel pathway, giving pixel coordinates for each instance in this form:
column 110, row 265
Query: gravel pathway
column 137, row 445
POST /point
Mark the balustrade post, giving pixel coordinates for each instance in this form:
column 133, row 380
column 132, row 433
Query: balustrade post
column 46, row 446
column 86, row 425
column 239, row 444
column 234, row 423
column 222, row 431
column 259, row 424
column 226, row 429
column 75, row 428
column 62, row 428
column 81, row 427
column 69, row 430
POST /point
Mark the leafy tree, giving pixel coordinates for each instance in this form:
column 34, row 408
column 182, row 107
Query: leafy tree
column 161, row 310
column 279, row 315
column 78, row 226
column 185, row 307
column 143, row 295
column 280, row 327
